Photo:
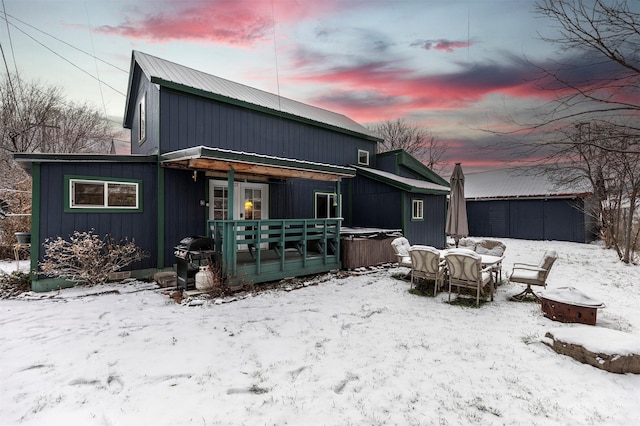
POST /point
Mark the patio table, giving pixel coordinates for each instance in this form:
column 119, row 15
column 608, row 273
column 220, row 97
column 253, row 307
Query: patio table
column 487, row 260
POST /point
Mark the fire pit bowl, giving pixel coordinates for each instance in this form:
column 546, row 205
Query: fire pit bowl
column 567, row 304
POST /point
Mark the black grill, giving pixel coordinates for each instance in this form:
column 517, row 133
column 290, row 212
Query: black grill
column 191, row 253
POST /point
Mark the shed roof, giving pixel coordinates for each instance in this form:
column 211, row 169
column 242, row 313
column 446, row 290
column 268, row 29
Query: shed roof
column 523, row 182
column 185, row 79
column 217, row 159
column 26, row 160
column 404, row 183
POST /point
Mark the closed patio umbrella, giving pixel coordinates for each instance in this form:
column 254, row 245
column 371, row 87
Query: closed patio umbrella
column 457, row 225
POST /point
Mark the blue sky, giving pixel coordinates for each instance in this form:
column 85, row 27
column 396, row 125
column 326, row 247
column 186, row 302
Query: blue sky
column 456, row 67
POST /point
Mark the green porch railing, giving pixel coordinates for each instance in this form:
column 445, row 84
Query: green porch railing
column 268, row 250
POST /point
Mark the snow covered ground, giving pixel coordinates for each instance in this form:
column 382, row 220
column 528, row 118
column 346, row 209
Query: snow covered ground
column 359, row 350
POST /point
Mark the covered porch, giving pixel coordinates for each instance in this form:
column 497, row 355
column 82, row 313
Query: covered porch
column 268, row 250
column 254, row 248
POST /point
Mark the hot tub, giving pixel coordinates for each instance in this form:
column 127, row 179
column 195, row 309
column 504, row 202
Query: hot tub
column 362, row 247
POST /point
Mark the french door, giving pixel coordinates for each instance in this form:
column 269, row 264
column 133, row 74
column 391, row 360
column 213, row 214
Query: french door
column 250, row 202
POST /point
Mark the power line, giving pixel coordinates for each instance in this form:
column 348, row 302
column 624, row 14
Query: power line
column 93, row 49
column 13, row 55
column 64, row 42
column 65, row 59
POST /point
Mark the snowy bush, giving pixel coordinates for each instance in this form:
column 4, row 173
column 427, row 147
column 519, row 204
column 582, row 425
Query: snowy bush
column 86, row 258
column 13, row 284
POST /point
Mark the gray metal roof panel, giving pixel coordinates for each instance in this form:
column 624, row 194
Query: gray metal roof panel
column 522, row 182
column 154, row 67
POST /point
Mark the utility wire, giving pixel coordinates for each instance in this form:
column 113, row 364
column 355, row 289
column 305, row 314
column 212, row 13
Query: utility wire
column 13, row 92
column 6, row 66
column 64, row 42
column 65, row 59
column 13, row 55
column 93, row 49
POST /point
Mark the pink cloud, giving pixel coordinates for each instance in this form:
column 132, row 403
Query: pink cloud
column 442, row 44
column 381, row 90
column 233, row 22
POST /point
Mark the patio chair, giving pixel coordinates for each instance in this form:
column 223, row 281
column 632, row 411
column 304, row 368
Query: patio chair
column 401, row 248
column 492, row 248
column 464, row 268
column 532, row 274
column 426, row 264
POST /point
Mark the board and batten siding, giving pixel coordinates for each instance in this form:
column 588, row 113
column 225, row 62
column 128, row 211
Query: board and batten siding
column 149, row 145
column 184, row 212
column 430, row 230
column 373, row 204
column 138, row 226
column 189, row 121
column 534, row 219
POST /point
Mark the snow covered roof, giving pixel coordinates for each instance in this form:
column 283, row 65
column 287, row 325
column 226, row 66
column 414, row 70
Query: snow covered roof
column 405, row 183
column 180, row 77
column 523, row 182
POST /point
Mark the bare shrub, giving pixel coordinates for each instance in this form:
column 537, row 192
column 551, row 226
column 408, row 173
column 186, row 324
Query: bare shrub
column 14, row 284
column 16, row 199
column 86, row 258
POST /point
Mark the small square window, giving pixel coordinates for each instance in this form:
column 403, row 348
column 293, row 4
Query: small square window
column 417, row 210
column 363, row 157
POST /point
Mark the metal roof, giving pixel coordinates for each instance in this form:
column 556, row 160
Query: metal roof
column 405, row 183
column 26, row 160
column 168, row 73
column 523, row 182
column 218, row 159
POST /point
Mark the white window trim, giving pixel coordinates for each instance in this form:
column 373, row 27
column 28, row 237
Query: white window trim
column 419, row 206
column 328, row 195
column 105, row 203
column 142, row 119
column 366, row 155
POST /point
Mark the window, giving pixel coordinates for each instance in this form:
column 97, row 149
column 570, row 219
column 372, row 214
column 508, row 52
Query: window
column 95, row 194
column 363, row 157
column 417, row 210
column 220, row 200
column 326, row 205
column 252, row 204
column 142, row 118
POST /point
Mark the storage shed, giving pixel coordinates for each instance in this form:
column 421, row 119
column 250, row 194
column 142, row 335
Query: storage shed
column 528, row 203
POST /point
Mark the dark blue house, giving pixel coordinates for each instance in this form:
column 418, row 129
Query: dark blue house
column 271, row 180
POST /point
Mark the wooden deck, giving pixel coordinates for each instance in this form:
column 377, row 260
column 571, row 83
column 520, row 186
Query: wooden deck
column 288, row 248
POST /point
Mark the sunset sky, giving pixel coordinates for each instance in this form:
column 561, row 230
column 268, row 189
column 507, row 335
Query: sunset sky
column 456, row 67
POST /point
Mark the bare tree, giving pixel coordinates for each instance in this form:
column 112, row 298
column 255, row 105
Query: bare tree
column 35, row 118
column 593, row 123
column 600, row 79
column 599, row 153
column 417, row 141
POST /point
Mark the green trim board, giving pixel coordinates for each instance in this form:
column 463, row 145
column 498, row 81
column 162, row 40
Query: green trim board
column 99, row 179
column 36, row 188
column 405, row 159
column 161, row 218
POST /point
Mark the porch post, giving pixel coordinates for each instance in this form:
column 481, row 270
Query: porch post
column 230, row 198
column 338, row 198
